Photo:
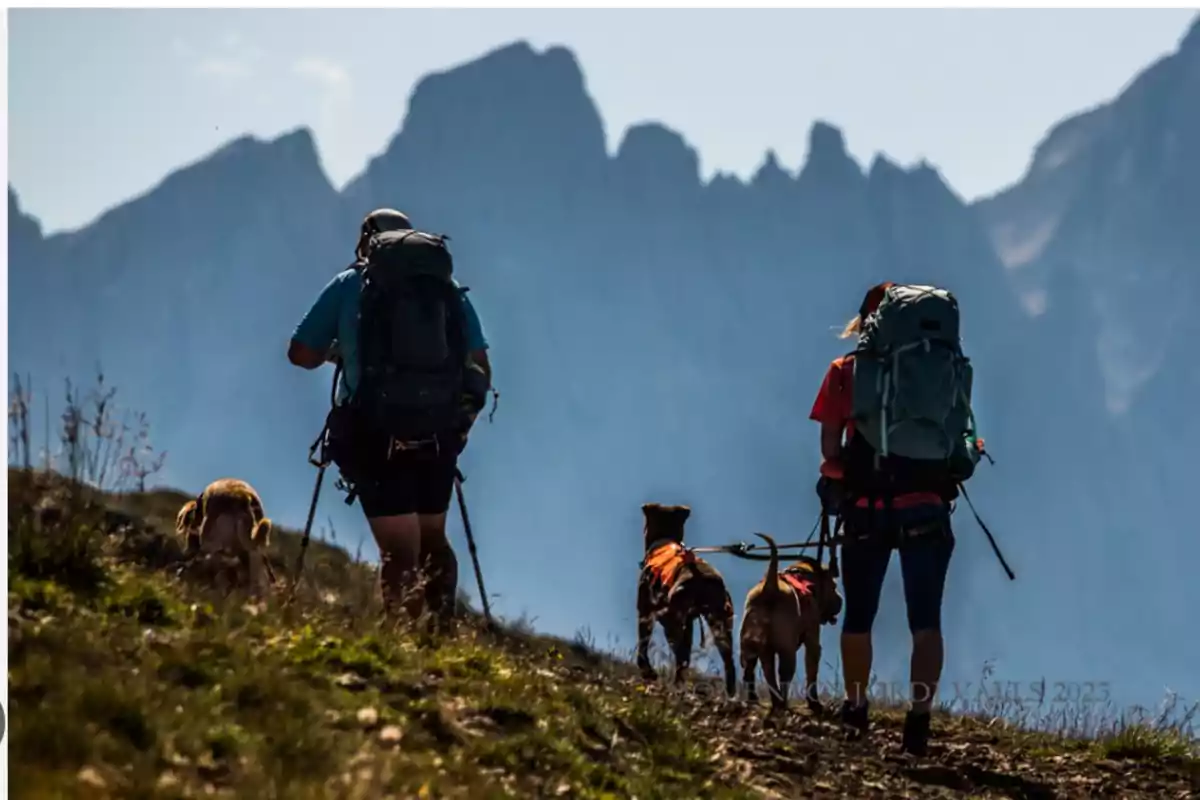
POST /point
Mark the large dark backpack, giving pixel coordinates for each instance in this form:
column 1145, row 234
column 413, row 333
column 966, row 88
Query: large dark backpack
column 412, row 338
column 912, row 394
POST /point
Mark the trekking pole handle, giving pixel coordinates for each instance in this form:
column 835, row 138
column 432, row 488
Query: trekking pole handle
column 312, row 451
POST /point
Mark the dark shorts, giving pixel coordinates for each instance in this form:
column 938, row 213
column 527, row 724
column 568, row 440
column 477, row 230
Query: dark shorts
column 416, row 481
column 923, row 536
column 412, row 483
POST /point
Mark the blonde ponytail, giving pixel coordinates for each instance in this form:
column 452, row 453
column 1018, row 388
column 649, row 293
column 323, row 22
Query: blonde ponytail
column 852, row 327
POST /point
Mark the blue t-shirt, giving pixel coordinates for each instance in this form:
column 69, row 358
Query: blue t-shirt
column 334, row 316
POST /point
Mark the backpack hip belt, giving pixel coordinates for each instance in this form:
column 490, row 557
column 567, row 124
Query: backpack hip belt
column 399, row 446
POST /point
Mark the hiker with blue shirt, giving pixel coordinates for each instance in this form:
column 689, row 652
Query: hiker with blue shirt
column 414, row 375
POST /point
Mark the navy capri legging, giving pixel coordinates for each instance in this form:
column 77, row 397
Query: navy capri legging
column 925, row 540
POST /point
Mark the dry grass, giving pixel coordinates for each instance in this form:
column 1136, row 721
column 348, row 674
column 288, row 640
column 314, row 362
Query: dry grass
column 149, row 684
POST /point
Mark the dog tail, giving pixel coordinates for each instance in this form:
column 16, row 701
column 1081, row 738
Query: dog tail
column 771, row 582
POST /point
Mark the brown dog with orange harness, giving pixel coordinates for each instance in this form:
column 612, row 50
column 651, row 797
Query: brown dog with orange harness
column 676, row 588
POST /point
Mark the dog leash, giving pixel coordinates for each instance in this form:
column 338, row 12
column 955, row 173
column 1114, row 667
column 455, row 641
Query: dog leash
column 746, row 550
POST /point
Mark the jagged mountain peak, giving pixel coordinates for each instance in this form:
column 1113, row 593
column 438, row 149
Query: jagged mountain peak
column 653, row 148
column 771, row 174
column 20, row 224
column 517, row 59
column 287, row 164
column 929, row 177
column 294, row 151
column 514, row 109
column 552, row 75
column 828, row 163
column 883, row 169
column 922, row 181
column 826, row 142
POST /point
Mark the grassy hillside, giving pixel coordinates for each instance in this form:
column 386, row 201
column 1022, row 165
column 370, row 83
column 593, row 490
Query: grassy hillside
column 129, row 680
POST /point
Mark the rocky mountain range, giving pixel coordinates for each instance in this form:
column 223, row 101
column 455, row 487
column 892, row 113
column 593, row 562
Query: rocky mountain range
column 659, row 337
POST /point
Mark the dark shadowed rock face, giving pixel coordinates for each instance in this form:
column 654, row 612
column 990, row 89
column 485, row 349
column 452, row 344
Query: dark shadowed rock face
column 660, row 337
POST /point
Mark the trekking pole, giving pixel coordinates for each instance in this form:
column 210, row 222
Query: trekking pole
column 462, row 507
column 312, row 510
column 834, row 569
column 988, row 533
column 321, row 465
column 823, row 522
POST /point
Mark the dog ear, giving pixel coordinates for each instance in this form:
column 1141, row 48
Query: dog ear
column 682, row 513
column 262, row 531
column 650, row 509
column 186, row 518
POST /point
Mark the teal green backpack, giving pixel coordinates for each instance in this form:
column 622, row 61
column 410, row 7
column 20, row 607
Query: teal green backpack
column 912, row 383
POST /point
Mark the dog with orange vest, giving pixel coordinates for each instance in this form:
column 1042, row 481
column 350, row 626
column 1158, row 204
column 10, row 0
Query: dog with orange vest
column 784, row 612
column 676, row 588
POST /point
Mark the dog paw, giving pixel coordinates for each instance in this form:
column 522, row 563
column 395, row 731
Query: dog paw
column 816, row 708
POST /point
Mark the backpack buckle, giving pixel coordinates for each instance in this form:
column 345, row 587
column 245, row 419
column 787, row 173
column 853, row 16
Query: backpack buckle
column 396, row 445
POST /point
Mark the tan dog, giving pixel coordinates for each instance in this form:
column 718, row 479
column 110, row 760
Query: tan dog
column 676, row 588
column 783, row 612
column 228, row 518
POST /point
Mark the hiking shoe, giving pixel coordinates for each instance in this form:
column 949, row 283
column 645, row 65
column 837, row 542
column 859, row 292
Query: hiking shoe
column 916, row 733
column 854, row 720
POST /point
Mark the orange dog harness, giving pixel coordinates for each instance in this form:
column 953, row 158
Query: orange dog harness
column 666, row 561
column 799, row 578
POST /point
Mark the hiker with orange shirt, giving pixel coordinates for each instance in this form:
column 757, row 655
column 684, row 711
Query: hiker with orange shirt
column 896, row 439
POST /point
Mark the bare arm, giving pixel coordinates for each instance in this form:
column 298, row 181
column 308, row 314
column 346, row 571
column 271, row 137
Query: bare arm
column 304, row 356
column 314, row 341
column 480, row 357
column 831, row 441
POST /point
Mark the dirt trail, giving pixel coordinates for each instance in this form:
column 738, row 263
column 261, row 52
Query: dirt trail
column 800, row 755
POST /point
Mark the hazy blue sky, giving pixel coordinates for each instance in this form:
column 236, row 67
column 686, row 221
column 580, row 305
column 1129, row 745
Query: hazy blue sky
column 103, row 104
